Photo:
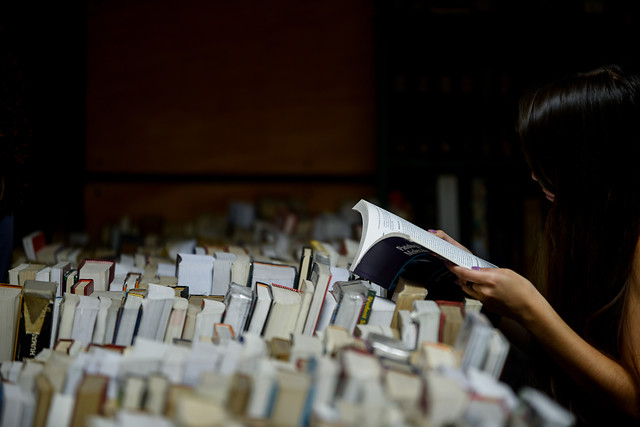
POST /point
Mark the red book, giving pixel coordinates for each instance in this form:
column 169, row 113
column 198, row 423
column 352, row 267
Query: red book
column 83, row 287
column 32, row 243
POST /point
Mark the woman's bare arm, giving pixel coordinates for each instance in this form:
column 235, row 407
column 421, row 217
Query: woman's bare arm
column 511, row 295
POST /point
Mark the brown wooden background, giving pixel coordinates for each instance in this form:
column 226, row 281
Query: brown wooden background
column 190, row 103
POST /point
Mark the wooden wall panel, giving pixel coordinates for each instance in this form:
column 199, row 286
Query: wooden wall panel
column 231, row 87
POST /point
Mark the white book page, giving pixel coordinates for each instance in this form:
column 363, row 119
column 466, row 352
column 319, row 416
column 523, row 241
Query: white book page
column 378, row 223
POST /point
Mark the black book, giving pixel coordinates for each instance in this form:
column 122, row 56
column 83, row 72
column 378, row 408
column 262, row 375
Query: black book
column 36, row 320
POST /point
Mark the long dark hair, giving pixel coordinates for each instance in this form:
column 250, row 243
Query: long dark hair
column 581, row 138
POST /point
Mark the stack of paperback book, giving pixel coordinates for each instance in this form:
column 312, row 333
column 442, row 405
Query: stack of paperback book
column 231, row 335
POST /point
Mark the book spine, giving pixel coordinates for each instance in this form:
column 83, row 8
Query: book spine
column 31, row 338
column 366, row 309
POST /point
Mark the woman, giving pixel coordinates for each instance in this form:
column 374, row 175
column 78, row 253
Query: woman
column 581, row 138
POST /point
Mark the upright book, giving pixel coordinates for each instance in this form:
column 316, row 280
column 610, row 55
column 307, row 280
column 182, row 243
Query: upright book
column 10, row 304
column 36, row 320
column 389, row 242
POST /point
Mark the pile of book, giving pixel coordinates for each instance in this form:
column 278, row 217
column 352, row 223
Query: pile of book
column 228, row 334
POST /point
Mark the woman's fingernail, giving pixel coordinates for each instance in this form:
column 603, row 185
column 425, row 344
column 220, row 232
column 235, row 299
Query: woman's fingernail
column 432, row 231
column 475, row 267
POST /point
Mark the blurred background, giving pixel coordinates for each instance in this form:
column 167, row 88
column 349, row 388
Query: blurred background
column 164, row 110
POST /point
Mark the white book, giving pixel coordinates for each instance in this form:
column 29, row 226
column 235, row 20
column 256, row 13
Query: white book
column 491, row 403
column 175, row 326
column 427, row 315
column 165, row 269
column 382, row 311
column 320, row 277
column 101, row 320
column 195, row 271
column 128, row 319
column 85, row 319
column 44, row 275
column 57, row 274
column 326, row 313
column 60, row 410
column 338, row 274
column 408, row 329
column 473, row 340
column 211, row 314
column 67, row 315
column 351, row 297
column 12, row 405
column 325, row 374
column 112, row 319
column 263, row 389
column 237, row 302
column 55, row 318
column 304, row 347
column 497, row 351
column 14, row 277
column 261, row 308
column 156, row 309
column 448, row 398
column 536, row 408
column 359, row 370
column 267, row 272
column 222, row 272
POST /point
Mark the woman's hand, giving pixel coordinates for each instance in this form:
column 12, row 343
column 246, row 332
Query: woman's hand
column 503, row 291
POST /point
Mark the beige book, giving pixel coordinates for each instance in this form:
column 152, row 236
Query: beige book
column 193, row 409
column 451, row 321
column 210, row 314
column 67, row 315
column 90, row 399
column 10, row 305
column 157, row 394
column 29, row 273
column 290, row 401
column 14, row 273
column 306, row 290
column 44, row 395
column 405, row 293
column 320, row 276
column 101, row 271
column 239, row 393
column 283, row 314
column 404, row 388
column 194, row 307
column 176, row 322
column 134, row 391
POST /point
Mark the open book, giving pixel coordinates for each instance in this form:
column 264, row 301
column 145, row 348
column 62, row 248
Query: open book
column 389, row 242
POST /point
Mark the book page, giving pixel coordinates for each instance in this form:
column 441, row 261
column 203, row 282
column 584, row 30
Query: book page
column 378, row 223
